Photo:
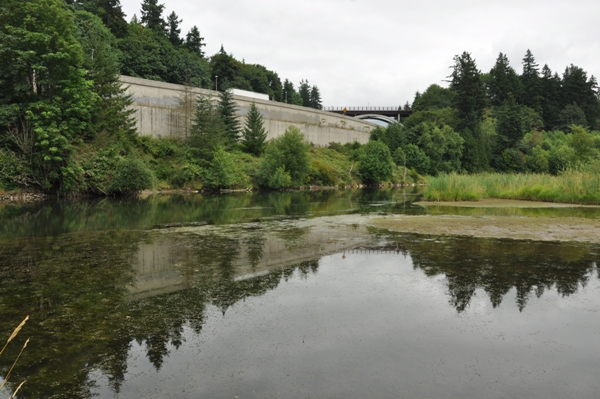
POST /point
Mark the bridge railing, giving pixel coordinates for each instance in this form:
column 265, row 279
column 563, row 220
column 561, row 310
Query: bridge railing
column 367, row 108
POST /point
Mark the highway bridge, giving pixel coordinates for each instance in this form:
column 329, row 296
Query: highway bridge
column 386, row 114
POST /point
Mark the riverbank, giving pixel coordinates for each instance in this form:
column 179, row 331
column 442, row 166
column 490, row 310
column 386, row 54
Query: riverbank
column 22, row 197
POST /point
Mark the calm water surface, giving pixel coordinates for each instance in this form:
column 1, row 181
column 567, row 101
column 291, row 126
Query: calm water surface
column 288, row 295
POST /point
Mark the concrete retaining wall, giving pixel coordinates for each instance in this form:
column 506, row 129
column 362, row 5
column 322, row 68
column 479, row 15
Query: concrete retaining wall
column 166, row 109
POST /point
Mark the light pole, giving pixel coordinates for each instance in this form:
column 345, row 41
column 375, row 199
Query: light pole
column 216, row 82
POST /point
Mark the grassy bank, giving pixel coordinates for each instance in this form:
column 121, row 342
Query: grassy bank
column 577, row 186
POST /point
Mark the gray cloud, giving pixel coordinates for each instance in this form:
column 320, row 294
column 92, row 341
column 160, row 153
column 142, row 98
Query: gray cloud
column 380, row 52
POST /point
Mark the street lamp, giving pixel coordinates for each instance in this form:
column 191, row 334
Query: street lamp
column 216, row 82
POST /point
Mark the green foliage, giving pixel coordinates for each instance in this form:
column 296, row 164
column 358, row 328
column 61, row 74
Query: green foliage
column 289, row 152
column 304, row 92
column 152, row 16
column 504, row 82
column 194, row 42
column 376, row 163
column 46, row 101
column 141, row 50
column 173, row 30
column 470, row 102
column 394, row 136
column 101, row 60
column 208, row 130
column 111, row 14
column 435, row 97
column 227, row 109
column 315, row 98
column 572, row 115
column 531, row 83
column 443, row 146
column 417, row 159
column 254, row 135
column 130, row 176
column 223, row 172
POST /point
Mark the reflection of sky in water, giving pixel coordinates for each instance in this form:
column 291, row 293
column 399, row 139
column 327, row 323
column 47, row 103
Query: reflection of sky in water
column 371, row 325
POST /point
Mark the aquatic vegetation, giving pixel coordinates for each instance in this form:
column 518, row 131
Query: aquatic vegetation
column 577, row 185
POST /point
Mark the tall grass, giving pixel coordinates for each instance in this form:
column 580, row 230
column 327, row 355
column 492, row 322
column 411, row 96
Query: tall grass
column 12, row 336
column 577, row 186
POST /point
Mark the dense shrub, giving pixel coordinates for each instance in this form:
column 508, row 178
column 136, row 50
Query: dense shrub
column 375, row 164
column 288, row 151
column 223, row 171
column 131, row 176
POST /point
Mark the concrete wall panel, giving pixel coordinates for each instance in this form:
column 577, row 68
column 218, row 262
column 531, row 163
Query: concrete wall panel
column 161, row 111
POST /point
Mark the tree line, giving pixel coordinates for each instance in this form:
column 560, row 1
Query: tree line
column 536, row 121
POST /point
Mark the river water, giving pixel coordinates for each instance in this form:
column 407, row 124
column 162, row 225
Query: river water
column 289, row 295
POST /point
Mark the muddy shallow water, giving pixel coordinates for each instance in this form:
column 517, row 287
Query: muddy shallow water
column 294, row 296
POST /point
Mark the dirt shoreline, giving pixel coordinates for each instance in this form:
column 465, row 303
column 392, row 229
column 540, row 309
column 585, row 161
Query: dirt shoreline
column 509, row 227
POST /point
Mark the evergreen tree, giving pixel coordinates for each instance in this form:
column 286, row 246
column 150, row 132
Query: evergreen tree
column 194, row 42
column 111, row 14
column 550, row 89
column 578, row 89
column 510, row 128
column 315, row 98
column 141, row 53
column 530, row 80
column 173, row 30
column 288, row 91
column 101, row 61
column 152, row 16
column 469, row 102
column 503, row 81
column 227, row 110
column 254, row 135
column 225, row 67
column 572, row 115
column 304, row 92
column 208, row 130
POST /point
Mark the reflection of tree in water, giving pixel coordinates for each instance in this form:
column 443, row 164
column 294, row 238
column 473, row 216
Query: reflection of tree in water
column 496, row 266
column 75, row 290
column 255, row 243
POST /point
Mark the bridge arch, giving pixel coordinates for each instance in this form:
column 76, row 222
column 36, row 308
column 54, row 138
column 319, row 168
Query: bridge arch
column 381, row 118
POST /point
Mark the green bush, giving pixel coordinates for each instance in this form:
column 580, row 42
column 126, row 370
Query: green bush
column 289, row 151
column 375, row 164
column 131, row 176
column 417, row 159
column 321, row 174
column 223, row 171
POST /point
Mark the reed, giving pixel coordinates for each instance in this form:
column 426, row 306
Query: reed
column 577, row 186
column 12, row 336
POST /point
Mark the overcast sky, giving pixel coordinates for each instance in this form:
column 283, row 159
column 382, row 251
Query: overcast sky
column 380, row 52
